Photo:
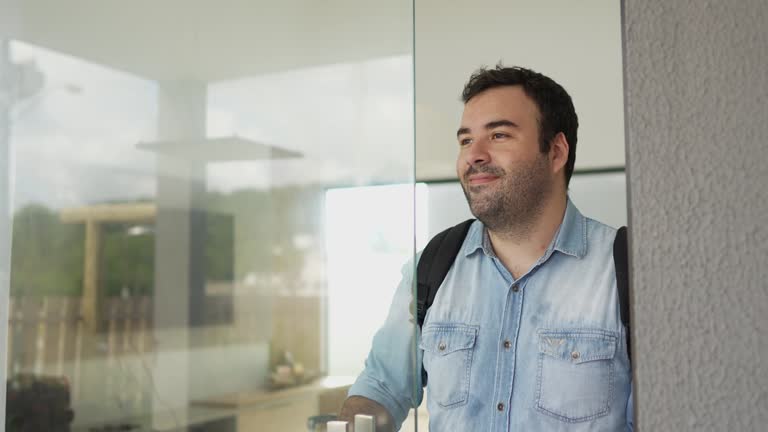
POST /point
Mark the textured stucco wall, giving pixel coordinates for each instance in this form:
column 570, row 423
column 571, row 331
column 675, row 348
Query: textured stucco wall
column 697, row 138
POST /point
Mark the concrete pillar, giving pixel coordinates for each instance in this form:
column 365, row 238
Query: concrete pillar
column 696, row 91
column 179, row 248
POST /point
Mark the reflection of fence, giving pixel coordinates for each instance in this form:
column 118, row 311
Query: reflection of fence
column 46, row 336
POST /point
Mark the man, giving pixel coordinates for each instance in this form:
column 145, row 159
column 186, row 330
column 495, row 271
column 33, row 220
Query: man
column 525, row 333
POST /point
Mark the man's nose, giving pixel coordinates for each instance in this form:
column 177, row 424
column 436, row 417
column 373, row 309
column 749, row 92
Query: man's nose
column 477, row 153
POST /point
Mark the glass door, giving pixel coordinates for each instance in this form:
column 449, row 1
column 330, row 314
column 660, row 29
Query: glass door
column 210, row 204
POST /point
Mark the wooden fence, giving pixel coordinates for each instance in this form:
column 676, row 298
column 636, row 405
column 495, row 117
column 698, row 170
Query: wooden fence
column 47, row 336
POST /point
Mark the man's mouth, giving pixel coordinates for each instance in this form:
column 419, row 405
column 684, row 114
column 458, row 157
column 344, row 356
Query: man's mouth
column 481, row 179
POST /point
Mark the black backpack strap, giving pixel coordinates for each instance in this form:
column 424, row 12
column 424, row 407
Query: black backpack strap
column 621, row 261
column 434, row 263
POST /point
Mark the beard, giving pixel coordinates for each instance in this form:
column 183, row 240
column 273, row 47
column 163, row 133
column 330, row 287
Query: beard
column 514, row 201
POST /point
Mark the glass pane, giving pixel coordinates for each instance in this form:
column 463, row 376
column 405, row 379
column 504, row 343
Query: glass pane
column 211, row 208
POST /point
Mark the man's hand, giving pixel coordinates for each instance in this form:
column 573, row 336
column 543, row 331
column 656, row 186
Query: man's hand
column 362, row 405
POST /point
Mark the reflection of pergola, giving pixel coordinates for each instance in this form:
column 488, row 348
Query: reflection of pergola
column 93, row 217
column 199, row 152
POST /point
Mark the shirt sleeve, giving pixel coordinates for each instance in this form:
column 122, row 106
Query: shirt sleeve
column 392, row 374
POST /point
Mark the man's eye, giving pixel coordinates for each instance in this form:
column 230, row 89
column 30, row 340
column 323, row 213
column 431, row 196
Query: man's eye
column 499, row 135
column 465, row 141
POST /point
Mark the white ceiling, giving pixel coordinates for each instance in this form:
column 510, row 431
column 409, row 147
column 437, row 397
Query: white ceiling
column 212, row 40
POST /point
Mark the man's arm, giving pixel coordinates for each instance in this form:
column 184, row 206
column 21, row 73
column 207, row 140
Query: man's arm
column 389, row 385
column 362, row 405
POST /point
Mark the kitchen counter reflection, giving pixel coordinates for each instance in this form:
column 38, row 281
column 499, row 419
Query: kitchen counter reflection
column 285, row 409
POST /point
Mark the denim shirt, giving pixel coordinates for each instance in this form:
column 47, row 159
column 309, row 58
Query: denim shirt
column 545, row 352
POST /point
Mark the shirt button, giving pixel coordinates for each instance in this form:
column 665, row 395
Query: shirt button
column 441, row 347
column 500, row 406
column 515, row 288
column 507, row 344
column 575, row 355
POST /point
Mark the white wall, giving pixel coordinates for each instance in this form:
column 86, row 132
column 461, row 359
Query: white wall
column 576, row 43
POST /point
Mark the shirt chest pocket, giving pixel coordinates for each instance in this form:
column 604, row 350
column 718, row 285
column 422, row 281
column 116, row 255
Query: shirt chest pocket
column 448, row 351
column 575, row 373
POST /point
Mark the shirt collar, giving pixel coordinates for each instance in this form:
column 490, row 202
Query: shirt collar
column 571, row 237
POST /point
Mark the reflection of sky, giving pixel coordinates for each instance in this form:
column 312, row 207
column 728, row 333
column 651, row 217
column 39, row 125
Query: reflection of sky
column 72, row 149
column 351, row 122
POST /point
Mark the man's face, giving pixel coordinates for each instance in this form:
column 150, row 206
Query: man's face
column 505, row 177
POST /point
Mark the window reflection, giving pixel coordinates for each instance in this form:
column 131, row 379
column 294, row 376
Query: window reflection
column 82, row 256
column 174, row 241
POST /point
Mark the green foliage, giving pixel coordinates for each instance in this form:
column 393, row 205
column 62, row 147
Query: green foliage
column 127, row 261
column 247, row 231
column 46, row 255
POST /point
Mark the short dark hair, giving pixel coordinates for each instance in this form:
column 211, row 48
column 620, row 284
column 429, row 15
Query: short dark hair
column 554, row 103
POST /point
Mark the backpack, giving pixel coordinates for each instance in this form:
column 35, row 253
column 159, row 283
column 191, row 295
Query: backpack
column 38, row 403
column 439, row 254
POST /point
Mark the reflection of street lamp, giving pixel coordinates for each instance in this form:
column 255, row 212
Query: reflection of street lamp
column 21, row 80
column 25, row 106
column 24, row 83
column 20, row 83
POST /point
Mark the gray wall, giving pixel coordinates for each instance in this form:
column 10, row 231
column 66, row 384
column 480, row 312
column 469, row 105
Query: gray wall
column 696, row 91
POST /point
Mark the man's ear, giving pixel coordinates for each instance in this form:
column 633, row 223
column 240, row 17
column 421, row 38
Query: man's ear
column 558, row 152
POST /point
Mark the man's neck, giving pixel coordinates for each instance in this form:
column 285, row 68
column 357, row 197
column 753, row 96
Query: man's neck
column 519, row 249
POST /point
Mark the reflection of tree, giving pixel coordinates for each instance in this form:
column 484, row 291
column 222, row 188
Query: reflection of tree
column 127, row 261
column 47, row 254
